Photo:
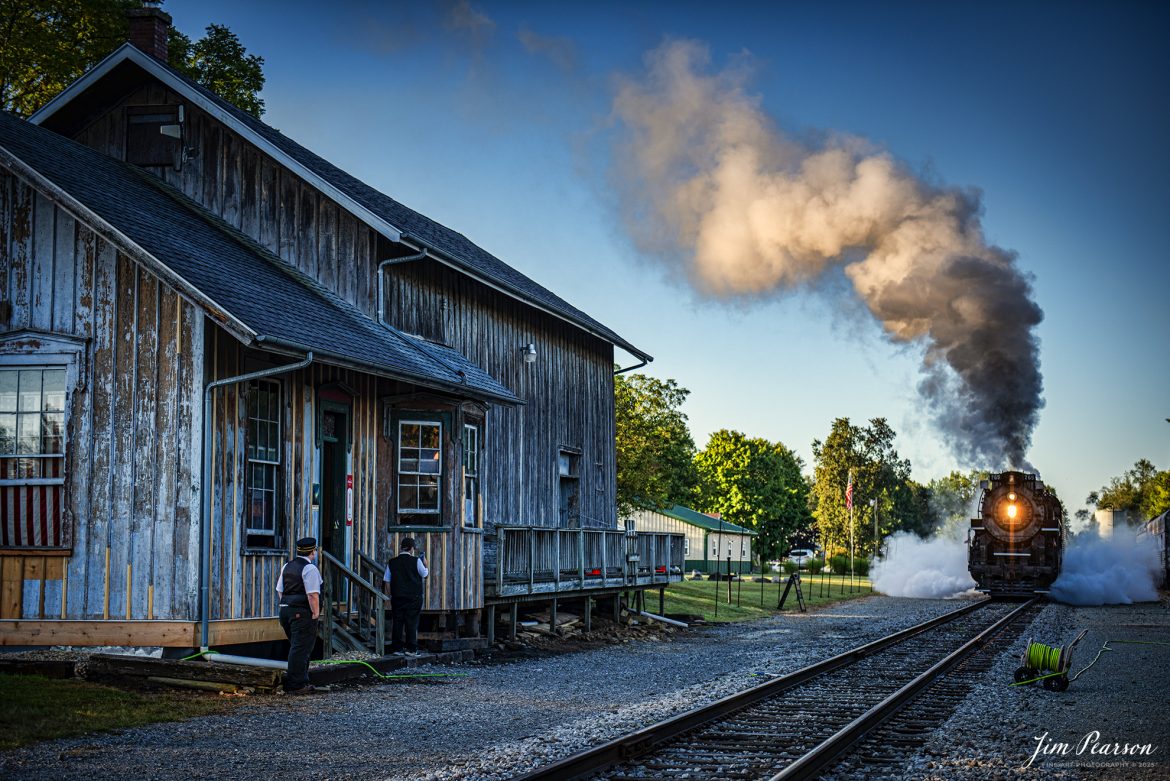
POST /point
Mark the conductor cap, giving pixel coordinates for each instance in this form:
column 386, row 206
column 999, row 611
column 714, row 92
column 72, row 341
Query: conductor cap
column 306, row 544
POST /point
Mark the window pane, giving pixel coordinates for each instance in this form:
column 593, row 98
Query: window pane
column 429, row 462
column 8, row 384
column 409, row 436
column 8, row 430
column 428, row 493
column 430, row 436
column 407, row 497
column 409, row 462
column 29, row 431
column 54, row 380
column 30, row 390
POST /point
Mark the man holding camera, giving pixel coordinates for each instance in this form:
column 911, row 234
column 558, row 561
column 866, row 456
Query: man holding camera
column 403, row 581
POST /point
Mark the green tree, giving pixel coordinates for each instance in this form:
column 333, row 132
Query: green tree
column 1142, row 489
column 951, row 498
column 219, row 62
column 655, row 451
column 756, row 484
column 878, row 474
column 47, row 44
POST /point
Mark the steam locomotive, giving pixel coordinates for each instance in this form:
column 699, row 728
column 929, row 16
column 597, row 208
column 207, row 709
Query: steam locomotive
column 1016, row 545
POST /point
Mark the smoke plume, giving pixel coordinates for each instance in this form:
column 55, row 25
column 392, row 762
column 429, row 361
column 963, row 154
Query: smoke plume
column 709, row 184
column 1118, row 570
column 913, row 567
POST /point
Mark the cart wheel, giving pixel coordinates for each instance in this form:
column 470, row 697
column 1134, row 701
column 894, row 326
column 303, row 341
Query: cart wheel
column 1024, row 674
column 1057, row 684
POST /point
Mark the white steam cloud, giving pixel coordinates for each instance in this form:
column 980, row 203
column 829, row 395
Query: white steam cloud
column 913, row 567
column 709, row 184
column 1119, row 570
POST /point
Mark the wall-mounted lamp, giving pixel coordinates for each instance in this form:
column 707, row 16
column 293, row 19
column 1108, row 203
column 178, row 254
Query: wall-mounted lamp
column 529, row 351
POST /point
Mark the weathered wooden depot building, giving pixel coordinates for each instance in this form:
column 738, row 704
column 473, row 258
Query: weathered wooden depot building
column 213, row 341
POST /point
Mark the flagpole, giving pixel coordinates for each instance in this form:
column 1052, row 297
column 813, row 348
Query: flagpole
column 849, row 495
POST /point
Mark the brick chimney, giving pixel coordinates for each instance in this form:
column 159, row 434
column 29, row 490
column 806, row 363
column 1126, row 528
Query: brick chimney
column 148, row 30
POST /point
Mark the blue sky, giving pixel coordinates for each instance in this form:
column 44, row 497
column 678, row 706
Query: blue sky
column 494, row 119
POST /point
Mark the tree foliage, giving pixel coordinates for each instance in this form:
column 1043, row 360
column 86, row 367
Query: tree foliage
column 880, row 483
column 45, row 45
column 1142, row 489
column 951, row 499
column 756, row 484
column 219, row 62
column 655, row 451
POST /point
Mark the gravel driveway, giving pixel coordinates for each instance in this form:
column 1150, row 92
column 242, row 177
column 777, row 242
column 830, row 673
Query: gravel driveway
column 502, row 718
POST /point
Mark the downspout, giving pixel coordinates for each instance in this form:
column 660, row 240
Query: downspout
column 205, row 487
column 631, row 368
column 382, row 283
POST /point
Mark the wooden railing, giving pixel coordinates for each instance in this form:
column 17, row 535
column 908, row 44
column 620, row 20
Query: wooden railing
column 353, row 609
column 538, row 560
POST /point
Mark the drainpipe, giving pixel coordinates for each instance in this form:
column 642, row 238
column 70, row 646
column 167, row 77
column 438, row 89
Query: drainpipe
column 205, row 487
column 382, row 283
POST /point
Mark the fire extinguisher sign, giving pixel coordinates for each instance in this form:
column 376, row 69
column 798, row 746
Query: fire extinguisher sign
column 349, row 500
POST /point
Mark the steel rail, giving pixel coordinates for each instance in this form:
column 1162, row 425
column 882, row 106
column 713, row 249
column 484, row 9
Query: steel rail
column 832, row 749
column 585, row 763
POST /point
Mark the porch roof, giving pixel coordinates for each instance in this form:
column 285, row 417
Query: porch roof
column 241, row 285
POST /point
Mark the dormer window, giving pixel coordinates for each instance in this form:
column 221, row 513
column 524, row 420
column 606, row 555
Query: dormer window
column 154, row 135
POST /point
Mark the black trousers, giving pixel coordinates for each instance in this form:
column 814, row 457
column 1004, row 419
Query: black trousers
column 301, row 630
column 405, row 622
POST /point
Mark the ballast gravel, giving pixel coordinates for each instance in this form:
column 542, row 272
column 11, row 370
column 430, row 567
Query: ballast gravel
column 486, row 721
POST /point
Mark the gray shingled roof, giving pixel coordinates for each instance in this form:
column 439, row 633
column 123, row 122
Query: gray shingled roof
column 453, row 245
column 269, row 297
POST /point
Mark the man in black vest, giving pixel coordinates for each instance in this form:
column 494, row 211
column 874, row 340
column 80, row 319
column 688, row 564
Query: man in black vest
column 298, row 590
column 403, row 580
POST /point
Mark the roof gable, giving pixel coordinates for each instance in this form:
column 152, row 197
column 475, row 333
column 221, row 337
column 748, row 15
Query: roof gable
column 239, row 283
column 392, row 219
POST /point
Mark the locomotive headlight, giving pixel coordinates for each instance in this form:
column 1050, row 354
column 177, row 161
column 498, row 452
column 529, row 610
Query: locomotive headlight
column 1011, row 511
column 1011, row 497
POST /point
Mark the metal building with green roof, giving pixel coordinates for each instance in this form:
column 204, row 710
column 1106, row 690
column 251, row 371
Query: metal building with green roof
column 709, row 540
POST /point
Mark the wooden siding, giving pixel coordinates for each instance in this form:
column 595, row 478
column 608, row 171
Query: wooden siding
column 132, row 466
column 567, row 390
column 250, row 191
column 243, row 581
column 455, row 561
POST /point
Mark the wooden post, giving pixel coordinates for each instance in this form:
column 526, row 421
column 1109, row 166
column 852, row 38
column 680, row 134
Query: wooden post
column 515, row 618
column 491, row 627
column 617, row 608
column 588, row 614
column 552, row 616
column 662, row 601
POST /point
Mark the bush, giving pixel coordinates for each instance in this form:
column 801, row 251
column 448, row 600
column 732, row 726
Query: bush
column 840, row 565
column 815, row 566
column 790, row 567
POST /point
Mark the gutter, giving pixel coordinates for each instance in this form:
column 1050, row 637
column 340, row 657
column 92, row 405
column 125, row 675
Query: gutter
column 205, row 487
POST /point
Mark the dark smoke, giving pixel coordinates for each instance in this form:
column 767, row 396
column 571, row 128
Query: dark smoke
column 711, row 186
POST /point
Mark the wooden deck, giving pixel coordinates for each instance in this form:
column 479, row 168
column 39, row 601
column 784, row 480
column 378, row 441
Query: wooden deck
column 541, row 560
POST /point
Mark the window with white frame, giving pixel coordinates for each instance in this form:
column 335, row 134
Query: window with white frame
column 743, row 548
column 686, row 546
column 420, row 470
column 32, row 456
column 470, row 475
column 264, row 521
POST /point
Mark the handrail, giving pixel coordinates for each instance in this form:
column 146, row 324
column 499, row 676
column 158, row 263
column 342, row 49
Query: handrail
column 532, row 559
column 352, row 602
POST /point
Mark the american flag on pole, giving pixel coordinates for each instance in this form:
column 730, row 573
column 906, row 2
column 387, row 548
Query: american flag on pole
column 849, row 492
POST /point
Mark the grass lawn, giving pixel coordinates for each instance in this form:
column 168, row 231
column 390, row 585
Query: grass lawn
column 33, row 708
column 697, row 597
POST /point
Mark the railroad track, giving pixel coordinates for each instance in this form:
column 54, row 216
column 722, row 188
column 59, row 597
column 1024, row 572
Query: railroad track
column 800, row 725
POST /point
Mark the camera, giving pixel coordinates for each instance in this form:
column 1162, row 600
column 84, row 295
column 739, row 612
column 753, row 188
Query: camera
column 422, row 554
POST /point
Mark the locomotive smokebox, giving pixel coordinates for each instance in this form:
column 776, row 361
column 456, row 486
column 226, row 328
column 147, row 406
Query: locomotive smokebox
column 1017, row 542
